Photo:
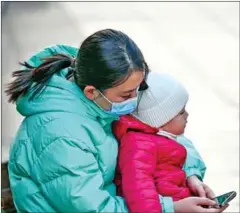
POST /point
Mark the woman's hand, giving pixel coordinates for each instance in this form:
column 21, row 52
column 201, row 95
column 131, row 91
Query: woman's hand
column 199, row 188
column 195, row 205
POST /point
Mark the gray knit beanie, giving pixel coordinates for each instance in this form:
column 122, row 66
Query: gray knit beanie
column 162, row 101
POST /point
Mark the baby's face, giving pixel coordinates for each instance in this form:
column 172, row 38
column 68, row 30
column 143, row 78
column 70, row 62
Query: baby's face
column 177, row 125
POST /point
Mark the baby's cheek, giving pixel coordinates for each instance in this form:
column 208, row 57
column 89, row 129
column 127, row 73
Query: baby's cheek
column 181, row 128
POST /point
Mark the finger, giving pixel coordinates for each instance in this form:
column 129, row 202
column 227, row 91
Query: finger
column 202, row 201
column 208, row 210
column 209, row 193
column 211, row 210
column 201, row 191
column 215, row 210
column 223, row 208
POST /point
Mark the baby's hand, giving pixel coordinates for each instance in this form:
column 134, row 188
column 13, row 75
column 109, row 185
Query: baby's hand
column 198, row 188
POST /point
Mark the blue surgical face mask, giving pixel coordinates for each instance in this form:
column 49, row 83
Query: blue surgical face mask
column 121, row 108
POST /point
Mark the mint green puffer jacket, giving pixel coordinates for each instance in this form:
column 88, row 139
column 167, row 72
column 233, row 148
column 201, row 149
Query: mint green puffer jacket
column 64, row 155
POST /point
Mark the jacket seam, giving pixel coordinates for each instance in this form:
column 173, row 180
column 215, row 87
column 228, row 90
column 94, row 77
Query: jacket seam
column 52, row 142
column 41, row 126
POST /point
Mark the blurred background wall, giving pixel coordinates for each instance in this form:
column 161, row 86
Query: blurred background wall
column 198, row 42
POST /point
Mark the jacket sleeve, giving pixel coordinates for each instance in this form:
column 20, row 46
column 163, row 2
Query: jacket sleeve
column 136, row 163
column 73, row 181
column 194, row 164
column 167, row 204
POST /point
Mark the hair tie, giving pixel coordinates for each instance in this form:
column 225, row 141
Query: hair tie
column 73, row 60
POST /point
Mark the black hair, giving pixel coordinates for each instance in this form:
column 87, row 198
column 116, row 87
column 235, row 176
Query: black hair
column 105, row 59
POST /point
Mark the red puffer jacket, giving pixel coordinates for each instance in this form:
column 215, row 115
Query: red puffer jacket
column 148, row 165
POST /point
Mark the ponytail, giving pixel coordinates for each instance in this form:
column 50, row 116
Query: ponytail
column 36, row 78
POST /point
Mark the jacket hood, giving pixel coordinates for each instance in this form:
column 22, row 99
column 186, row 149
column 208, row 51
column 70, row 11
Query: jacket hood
column 130, row 123
column 60, row 95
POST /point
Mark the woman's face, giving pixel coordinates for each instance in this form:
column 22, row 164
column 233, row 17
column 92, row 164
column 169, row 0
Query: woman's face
column 125, row 90
column 117, row 94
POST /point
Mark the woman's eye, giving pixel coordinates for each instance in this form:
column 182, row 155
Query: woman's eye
column 126, row 96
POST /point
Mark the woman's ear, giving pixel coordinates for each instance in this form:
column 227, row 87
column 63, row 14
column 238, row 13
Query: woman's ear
column 89, row 92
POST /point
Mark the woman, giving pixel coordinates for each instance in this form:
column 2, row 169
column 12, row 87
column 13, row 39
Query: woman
column 64, row 155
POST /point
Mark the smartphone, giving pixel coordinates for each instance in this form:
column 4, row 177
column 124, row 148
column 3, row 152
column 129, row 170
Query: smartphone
column 225, row 198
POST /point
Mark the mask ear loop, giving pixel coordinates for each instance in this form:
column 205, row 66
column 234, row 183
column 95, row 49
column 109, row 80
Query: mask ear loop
column 104, row 96
column 98, row 96
column 95, row 97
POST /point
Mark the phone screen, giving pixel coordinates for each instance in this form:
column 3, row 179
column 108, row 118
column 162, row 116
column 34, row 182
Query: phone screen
column 225, row 198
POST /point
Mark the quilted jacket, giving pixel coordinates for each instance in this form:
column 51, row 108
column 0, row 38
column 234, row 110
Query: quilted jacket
column 64, row 155
column 149, row 165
